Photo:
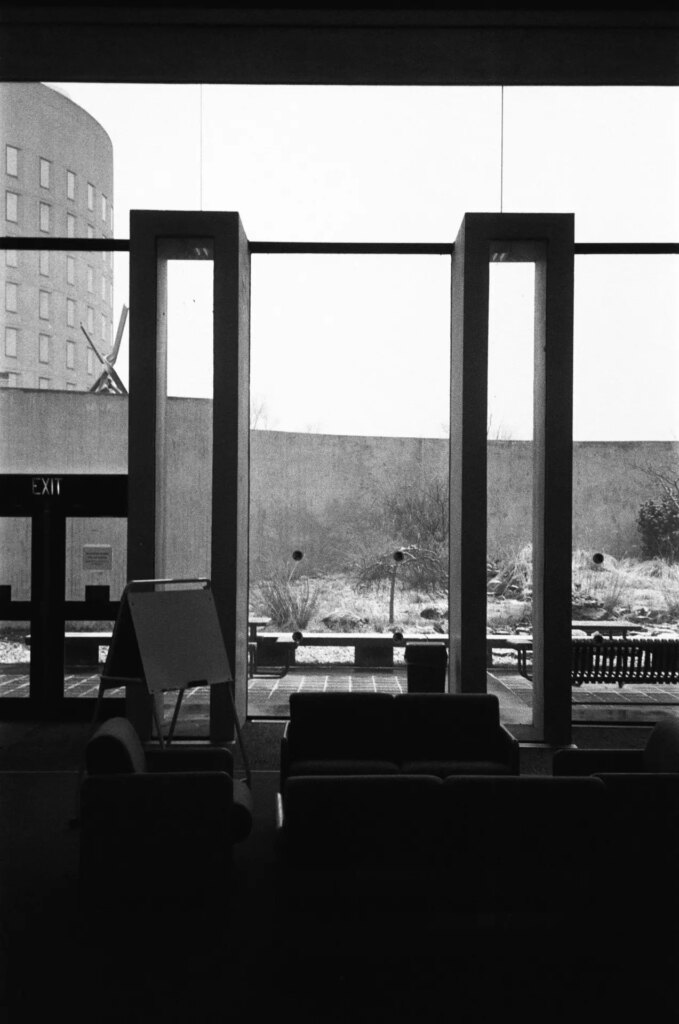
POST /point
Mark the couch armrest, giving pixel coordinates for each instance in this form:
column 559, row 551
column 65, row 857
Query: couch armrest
column 285, row 755
column 168, row 801
column 190, row 758
column 509, row 745
column 572, row 761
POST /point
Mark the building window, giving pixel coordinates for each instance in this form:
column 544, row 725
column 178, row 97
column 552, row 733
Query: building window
column 90, row 320
column 11, row 258
column 70, row 312
column 11, row 297
column 70, row 185
column 103, row 208
column 9, row 379
column 12, row 207
column 104, row 328
column 43, row 383
column 11, row 341
column 70, row 270
column 90, row 361
column 103, row 288
column 110, row 216
column 44, row 348
column 44, row 217
column 70, row 225
column 44, row 173
column 90, row 196
column 44, row 263
column 44, row 305
column 12, row 161
column 90, row 279
column 90, row 231
column 70, row 355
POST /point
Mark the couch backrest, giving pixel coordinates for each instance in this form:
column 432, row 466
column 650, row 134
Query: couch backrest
column 440, row 725
column 115, row 749
column 661, row 753
column 342, row 725
column 368, row 820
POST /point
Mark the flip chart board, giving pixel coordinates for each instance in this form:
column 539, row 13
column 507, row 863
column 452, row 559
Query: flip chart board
column 170, row 638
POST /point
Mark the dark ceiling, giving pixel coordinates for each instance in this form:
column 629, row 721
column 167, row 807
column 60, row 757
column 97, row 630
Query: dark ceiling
column 388, row 46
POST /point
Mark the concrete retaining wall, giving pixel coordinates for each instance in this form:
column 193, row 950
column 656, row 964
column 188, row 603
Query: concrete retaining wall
column 324, row 494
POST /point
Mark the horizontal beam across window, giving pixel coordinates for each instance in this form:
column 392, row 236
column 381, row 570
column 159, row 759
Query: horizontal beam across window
column 348, row 248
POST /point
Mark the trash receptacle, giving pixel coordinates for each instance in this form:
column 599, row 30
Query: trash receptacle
column 426, row 665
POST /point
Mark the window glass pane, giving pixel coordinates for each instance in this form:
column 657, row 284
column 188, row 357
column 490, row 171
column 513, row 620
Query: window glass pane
column 12, row 207
column 625, row 466
column 11, row 258
column 44, row 217
column 44, row 263
column 11, row 297
column 44, row 348
column 608, row 154
column 15, row 586
column 70, row 270
column 70, row 225
column 12, row 161
column 70, row 355
column 44, row 173
column 11, row 341
column 90, row 196
column 348, row 465
column 70, row 185
column 70, row 312
column 44, row 305
column 510, row 485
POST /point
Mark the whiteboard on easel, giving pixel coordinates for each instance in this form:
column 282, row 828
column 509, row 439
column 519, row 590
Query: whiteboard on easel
column 179, row 637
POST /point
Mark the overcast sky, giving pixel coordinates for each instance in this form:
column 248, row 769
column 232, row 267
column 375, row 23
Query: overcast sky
column 360, row 344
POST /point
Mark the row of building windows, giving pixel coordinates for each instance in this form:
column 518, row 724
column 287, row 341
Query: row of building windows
column 45, row 219
column 45, row 346
column 10, row 379
column 12, row 260
column 44, row 309
column 105, row 283
column 45, row 179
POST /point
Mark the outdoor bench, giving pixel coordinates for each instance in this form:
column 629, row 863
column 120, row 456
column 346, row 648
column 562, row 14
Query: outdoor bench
column 370, row 649
column 619, row 661
column 82, row 649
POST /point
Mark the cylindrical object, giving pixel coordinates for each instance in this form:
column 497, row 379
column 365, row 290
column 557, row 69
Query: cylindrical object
column 426, row 665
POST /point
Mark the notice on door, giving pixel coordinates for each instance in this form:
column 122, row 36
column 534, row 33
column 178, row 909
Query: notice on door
column 98, row 557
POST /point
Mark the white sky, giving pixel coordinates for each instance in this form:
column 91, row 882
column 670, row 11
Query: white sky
column 360, row 344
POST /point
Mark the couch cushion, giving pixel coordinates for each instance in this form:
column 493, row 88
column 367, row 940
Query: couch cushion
column 661, row 753
column 114, row 749
column 447, row 726
column 342, row 727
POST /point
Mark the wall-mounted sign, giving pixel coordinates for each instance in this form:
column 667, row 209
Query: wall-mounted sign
column 98, row 557
column 45, row 485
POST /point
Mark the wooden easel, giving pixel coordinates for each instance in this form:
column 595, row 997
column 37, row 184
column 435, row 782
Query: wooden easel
column 168, row 639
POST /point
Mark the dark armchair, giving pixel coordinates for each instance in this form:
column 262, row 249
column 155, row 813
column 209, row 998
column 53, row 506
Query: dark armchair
column 157, row 829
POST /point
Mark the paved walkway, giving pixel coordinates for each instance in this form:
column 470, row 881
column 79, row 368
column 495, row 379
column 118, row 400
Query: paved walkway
column 268, row 697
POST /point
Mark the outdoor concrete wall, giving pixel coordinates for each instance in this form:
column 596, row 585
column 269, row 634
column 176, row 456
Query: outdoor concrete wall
column 320, row 493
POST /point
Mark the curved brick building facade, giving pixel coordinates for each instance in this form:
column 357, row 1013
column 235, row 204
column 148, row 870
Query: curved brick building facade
column 56, row 168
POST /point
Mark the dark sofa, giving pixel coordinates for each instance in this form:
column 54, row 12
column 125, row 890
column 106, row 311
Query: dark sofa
column 382, row 734
column 360, row 852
